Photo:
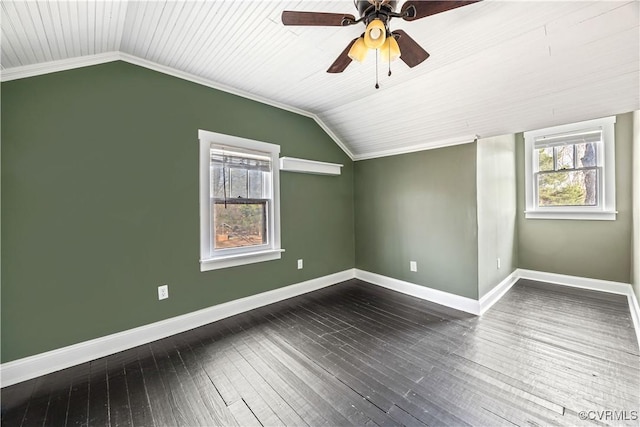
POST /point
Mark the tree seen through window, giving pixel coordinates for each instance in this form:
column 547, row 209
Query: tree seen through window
column 239, row 201
column 568, row 175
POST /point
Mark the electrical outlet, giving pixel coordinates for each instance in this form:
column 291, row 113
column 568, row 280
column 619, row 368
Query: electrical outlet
column 163, row 292
column 413, row 266
column 300, row 264
column 498, row 263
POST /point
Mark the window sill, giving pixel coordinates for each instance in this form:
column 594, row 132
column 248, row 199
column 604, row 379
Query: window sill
column 240, row 259
column 597, row 216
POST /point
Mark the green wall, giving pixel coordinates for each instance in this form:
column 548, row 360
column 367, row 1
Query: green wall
column 594, row 249
column 100, row 203
column 497, row 237
column 100, row 206
column 420, row 207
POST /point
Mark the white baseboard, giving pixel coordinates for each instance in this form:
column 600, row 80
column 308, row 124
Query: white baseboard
column 472, row 306
column 494, row 295
column 635, row 313
column 575, row 281
column 439, row 297
column 40, row 364
column 447, row 299
column 592, row 284
column 33, row 366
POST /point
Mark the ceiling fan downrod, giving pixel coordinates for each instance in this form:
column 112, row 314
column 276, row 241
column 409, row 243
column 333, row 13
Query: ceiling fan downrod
column 376, row 15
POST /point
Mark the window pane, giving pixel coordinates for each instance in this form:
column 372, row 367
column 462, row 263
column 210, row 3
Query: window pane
column 239, row 224
column 568, row 188
column 586, row 154
column 233, row 183
column 238, row 187
column 256, row 185
column 564, row 157
column 545, row 159
column 217, row 181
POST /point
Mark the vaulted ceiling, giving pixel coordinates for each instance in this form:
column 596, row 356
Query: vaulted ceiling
column 496, row 67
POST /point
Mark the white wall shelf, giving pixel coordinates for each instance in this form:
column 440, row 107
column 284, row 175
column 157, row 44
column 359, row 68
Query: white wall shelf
column 291, row 164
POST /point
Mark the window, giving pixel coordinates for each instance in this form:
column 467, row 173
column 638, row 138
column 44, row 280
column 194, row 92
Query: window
column 239, row 201
column 570, row 171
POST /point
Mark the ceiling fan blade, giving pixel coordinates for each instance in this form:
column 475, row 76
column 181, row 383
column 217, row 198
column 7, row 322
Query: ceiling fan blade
column 342, row 61
column 317, row 18
column 410, row 51
column 413, row 9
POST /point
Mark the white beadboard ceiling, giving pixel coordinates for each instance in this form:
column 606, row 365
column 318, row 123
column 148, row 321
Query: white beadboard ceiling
column 496, row 67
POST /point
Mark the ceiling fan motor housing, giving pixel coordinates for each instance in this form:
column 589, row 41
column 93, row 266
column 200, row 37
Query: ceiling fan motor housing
column 376, row 15
column 370, row 10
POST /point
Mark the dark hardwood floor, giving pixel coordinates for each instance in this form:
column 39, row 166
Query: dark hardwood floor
column 358, row 354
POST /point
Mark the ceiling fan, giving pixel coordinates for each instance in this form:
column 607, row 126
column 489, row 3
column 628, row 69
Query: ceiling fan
column 376, row 15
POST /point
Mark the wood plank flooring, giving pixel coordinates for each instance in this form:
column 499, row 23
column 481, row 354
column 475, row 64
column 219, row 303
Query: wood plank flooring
column 358, row 354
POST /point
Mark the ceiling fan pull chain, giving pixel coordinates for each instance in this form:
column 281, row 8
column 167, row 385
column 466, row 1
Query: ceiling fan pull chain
column 376, row 16
column 377, row 85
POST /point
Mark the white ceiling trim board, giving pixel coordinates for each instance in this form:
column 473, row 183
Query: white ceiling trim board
column 101, row 58
column 420, row 147
column 33, row 70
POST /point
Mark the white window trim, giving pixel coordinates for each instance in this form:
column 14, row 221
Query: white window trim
column 269, row 252
column 606, row 159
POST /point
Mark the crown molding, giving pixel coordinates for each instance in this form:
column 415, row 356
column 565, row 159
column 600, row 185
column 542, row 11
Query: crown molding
column 131, row 59
column 415, row 148
column 228, row 89
column 333, row 136
column 33, row 70
column 85, row 61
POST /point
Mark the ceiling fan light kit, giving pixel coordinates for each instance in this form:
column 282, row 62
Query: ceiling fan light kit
column 359, row 50
column 390, row 51
column 376, row 15
column 375, row 35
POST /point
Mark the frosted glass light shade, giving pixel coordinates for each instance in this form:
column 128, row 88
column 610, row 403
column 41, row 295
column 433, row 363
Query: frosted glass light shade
column 375, row 34
column 358, row 51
